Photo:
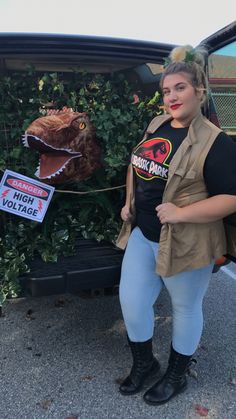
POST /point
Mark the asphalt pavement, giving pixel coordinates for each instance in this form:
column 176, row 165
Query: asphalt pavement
column 63, row 356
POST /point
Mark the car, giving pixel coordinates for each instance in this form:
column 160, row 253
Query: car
column 95, row 263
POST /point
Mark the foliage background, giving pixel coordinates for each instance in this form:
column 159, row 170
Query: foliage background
column 120, row 114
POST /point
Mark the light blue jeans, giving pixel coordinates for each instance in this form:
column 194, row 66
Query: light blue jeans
column 140, row 287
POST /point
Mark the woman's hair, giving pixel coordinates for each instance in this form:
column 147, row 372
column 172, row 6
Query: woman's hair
column 189, row 60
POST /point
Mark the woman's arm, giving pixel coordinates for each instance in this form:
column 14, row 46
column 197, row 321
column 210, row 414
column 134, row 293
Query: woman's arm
column 205, row 211
column 125, row 212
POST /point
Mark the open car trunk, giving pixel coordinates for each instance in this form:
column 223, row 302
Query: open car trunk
column 95, row 265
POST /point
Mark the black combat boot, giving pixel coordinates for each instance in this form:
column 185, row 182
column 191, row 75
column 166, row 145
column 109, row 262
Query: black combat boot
column 144, row 365
column 173, row 382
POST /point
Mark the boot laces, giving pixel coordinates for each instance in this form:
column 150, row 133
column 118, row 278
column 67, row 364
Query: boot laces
column 175, row 374
column 192, row 362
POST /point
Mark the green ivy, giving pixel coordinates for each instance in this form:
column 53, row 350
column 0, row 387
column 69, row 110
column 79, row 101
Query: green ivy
column 119, row 120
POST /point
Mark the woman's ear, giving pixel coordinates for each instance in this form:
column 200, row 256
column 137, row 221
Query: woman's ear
column 200, row 91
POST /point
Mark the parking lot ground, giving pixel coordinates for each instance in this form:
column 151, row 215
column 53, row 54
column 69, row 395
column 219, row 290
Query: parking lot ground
column 63, row 357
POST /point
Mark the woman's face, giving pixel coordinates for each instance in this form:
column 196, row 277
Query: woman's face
column 181, row 99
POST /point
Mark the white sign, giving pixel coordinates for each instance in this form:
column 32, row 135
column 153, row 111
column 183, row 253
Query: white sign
column 23, row 196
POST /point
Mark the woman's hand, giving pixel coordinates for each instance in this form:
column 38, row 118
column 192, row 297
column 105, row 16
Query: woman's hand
column 125, row 213
column 168, row 213
column 205, row 211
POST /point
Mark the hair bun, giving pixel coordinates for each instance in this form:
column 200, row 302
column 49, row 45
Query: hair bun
column 179, row 53
column 187, row 54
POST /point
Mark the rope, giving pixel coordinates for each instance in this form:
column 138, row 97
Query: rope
column 92, row 191
column 86, row 192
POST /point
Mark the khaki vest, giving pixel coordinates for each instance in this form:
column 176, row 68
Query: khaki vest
column 186, row 246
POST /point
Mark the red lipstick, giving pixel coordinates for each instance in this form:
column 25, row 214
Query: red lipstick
column 173, row 107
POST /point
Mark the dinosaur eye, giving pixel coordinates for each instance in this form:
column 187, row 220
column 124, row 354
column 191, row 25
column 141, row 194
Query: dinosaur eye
column 82, row 125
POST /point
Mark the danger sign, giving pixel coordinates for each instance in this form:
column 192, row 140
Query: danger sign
column 23, row 196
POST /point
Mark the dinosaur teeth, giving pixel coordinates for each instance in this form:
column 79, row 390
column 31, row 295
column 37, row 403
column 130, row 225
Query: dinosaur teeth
column 24, row 140
column 58, row 171
column 37, row 173
column 36, row 140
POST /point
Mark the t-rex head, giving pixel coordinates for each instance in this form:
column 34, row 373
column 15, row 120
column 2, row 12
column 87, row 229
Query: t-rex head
column 68, row 147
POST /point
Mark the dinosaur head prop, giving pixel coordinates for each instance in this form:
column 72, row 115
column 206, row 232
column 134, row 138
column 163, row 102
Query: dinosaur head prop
column 69, row 150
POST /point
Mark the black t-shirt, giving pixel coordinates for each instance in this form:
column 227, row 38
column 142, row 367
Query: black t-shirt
column 151, row 162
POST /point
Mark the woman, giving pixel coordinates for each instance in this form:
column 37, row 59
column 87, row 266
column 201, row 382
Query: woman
column 182, row 178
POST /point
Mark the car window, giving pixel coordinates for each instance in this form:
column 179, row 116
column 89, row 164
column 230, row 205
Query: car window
column 222, row 80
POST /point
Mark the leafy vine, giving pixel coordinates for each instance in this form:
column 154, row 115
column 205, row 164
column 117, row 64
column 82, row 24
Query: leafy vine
column 120, row 114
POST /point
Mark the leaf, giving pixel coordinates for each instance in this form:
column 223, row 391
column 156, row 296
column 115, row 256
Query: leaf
column 29, row 312
column 233, row 381
column 87, row 378
column 29, row 315
column 3, row 297
column 201, row 410
column 45, row 404
column 203, row 348
column 60, row 302
column 193, row 373
column 167, row 61
column 189, row 56
column 119, row 380
column 15, row 153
